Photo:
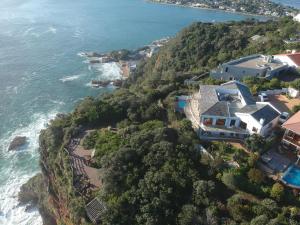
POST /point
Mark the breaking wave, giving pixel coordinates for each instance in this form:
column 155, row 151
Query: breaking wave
column 17, row 168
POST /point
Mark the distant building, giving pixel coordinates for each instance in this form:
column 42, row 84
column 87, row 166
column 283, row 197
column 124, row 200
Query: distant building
column 230, row 111
column 291, row 59
column 291, row 138
column 253, row 66
column 297, row 18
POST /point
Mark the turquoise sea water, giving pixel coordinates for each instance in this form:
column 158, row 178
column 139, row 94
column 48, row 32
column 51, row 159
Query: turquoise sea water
column 41, row 73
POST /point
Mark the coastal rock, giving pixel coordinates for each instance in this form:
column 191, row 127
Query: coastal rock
column 17, row 142
column 33, row 194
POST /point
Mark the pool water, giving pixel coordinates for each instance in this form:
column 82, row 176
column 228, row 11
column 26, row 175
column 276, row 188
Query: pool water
column 292, row 176
column 181, row 104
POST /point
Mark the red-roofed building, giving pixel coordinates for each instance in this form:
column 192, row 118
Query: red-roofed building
column 291, row 138
column 291, row 59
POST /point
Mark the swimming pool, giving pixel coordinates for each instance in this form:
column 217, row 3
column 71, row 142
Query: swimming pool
column 181, row 104
column 292, row 176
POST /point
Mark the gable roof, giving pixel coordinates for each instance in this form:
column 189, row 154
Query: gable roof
column 293, row 123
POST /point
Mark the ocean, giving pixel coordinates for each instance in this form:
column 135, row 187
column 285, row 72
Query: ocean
column 42, row 73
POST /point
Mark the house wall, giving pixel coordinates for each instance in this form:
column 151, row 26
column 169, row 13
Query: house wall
column 269, row 127
column 251, row 123
column 293, row 92
column 285, row 59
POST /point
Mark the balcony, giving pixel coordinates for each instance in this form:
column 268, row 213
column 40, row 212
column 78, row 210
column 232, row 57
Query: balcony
column 293, row 139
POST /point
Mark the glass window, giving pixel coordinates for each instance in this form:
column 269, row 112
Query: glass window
column 243, row 125
column 221, row 122
column 232, row 123
column 208, row 121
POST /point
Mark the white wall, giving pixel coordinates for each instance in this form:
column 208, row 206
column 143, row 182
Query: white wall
column 285, row 59
column 251, row 122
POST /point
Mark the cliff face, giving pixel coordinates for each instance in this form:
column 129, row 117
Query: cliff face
column 52, row 191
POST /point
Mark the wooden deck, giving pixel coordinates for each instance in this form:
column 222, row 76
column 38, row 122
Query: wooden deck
column 80, row 160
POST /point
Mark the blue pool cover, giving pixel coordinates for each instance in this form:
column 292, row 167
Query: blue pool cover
column 292, row 176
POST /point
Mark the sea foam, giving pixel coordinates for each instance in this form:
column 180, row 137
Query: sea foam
column 17, row 168
column 69, row 78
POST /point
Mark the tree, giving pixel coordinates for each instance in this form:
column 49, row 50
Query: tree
column 277, row 191
column 230, row 180
column 260, row 220
column 255, row 143
column 202, row 192
column 255, row 176
column 188, row 215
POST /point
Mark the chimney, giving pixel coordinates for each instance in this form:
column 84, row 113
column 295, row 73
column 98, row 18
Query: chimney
column 262, row 121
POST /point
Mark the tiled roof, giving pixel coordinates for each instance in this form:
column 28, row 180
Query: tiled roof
column 293, row 123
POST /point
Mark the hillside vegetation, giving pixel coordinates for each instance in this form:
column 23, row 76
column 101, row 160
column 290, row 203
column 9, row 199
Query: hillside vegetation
column 153, row 172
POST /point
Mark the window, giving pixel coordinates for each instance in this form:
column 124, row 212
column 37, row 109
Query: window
column 232, row 123
column 221, row 122
column 208, row 121
column 254, row 129
column 243, row 125
column 222, row 134
column 226, row 70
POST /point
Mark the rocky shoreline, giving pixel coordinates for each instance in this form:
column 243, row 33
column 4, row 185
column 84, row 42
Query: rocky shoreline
column 127, row 60
column 33, row 194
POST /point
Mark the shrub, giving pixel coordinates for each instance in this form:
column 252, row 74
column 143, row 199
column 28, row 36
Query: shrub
column 277, row 191
column 255, row 176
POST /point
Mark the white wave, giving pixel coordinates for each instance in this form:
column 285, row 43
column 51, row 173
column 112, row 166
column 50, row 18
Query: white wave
column 69, row 78
column 57, row 102
column 109, row 71
column 18, row 168
column 52, row 30
column 81, row 54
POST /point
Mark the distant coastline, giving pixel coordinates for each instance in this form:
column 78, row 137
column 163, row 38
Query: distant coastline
column 233, row 11
column 211, row 9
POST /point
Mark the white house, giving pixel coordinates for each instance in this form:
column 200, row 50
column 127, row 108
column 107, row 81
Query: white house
column 253, row 65
column 291, row 59
column 297, row 18
column 230, row 111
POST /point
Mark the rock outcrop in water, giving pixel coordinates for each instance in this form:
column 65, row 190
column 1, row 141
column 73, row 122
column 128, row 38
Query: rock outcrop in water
column 17, row 142
column 34, row 194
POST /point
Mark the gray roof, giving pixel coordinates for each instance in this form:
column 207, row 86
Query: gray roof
column 260, row 111
column 267, row 113
column 219, row 109
column 208, row 97
column 244, row 90
column 210, row 104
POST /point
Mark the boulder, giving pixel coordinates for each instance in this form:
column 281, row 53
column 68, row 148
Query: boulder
column 17, row 142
